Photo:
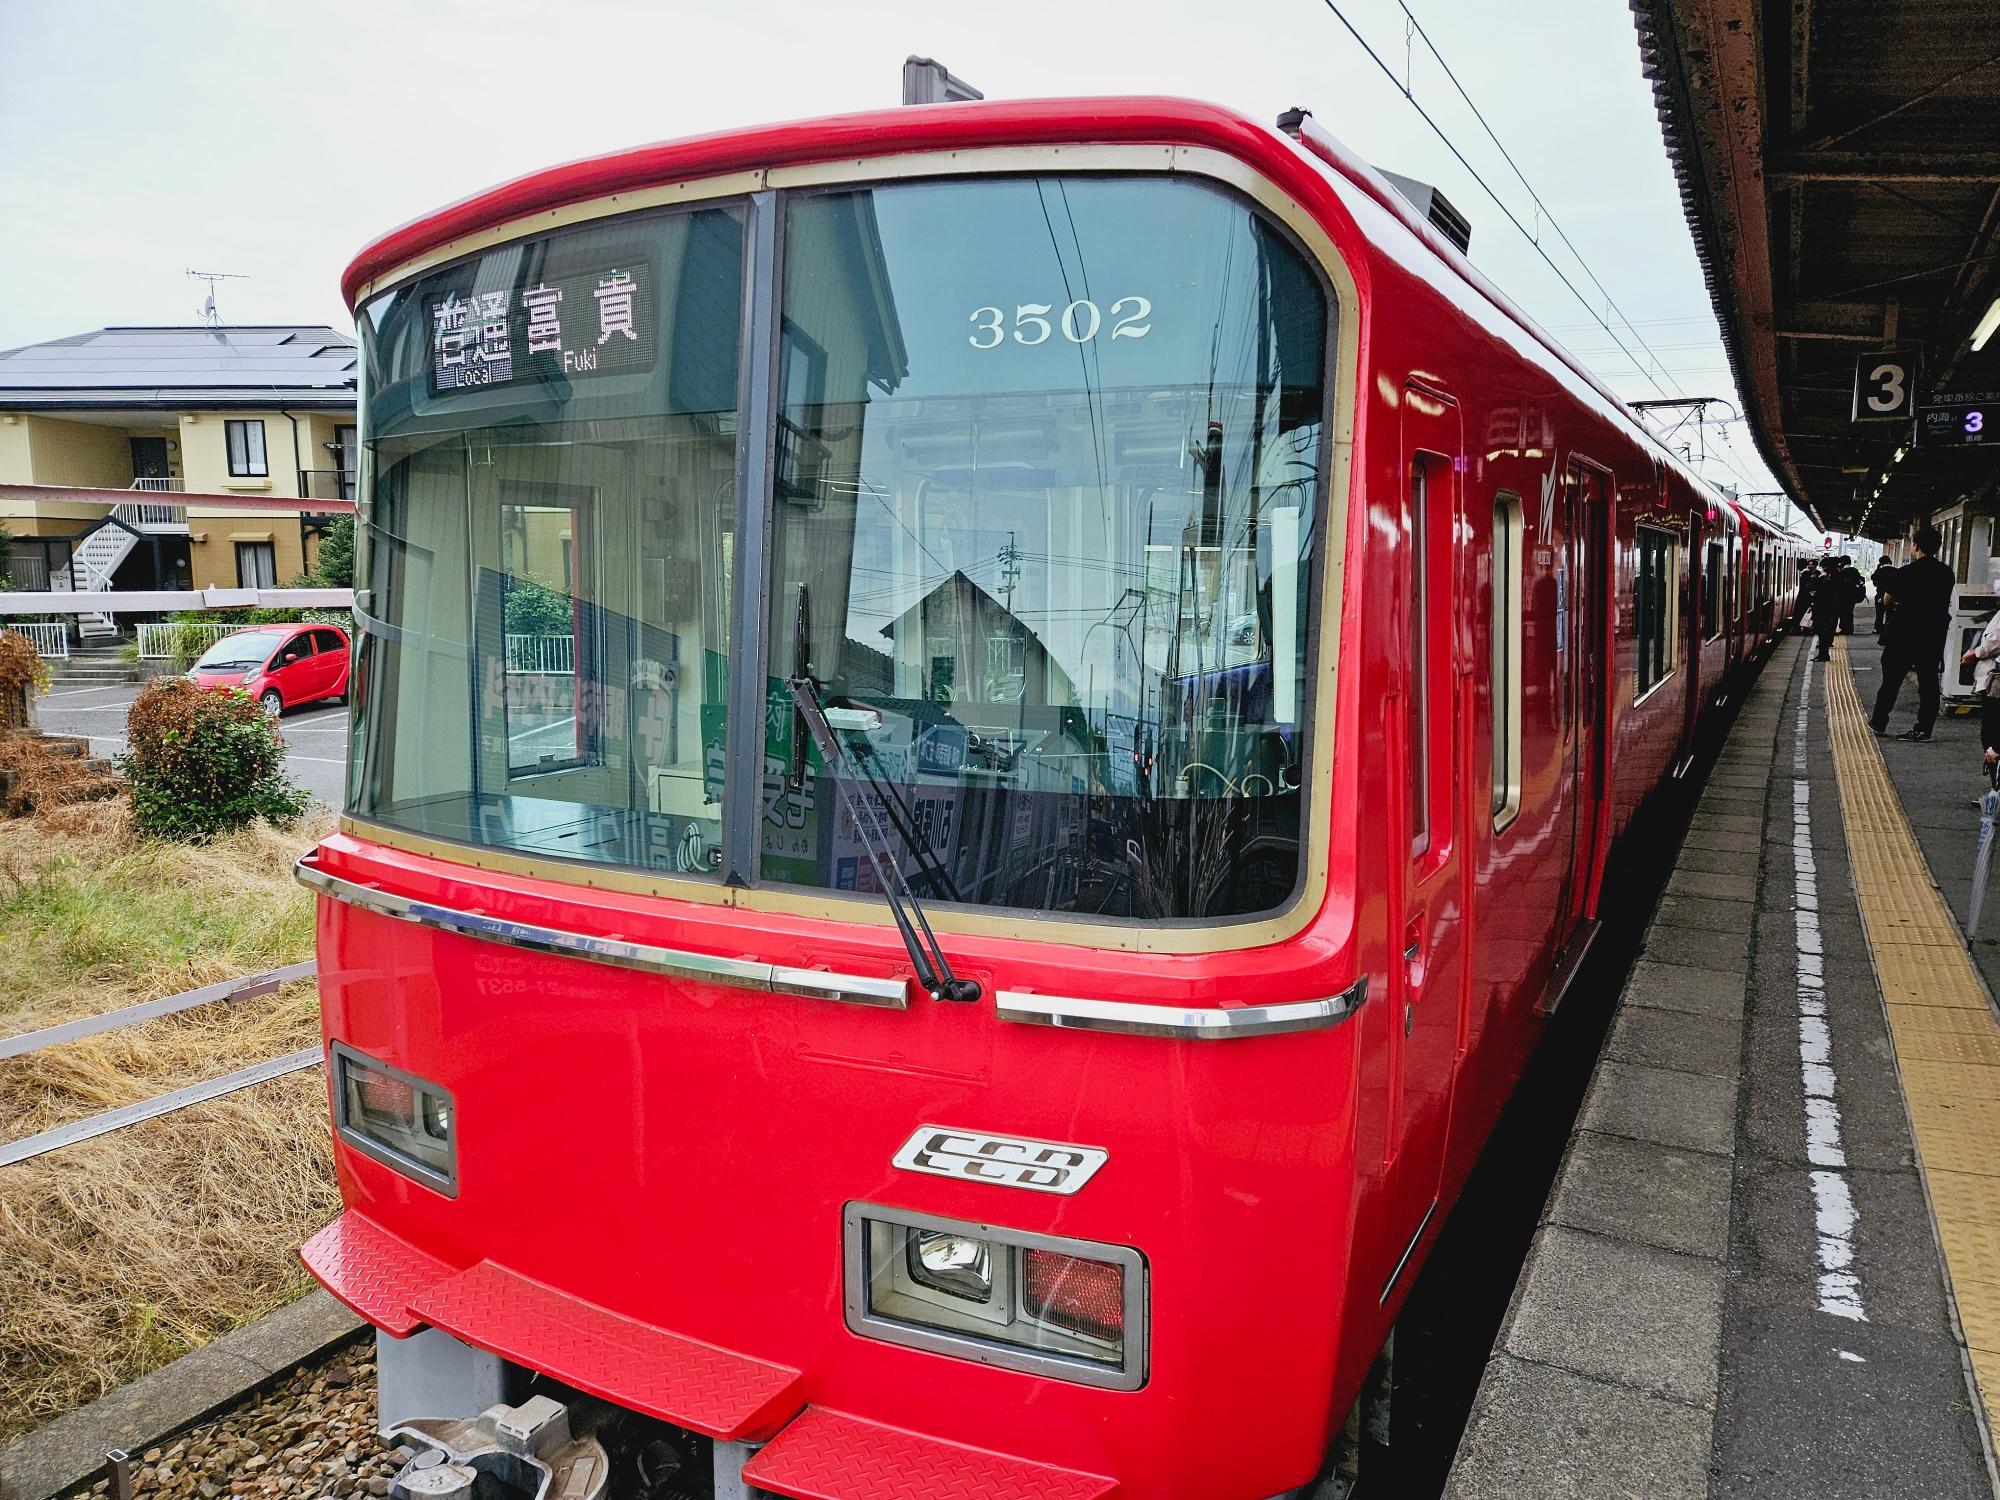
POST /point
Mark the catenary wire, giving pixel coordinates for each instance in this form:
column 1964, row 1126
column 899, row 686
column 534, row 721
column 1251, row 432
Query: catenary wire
column 1498, row 202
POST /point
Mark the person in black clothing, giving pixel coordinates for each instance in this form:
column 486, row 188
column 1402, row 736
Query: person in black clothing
column 1883, row 573
column 1914, row 641
column 1857, row 590
column 1829, row 595
column 1808, row 576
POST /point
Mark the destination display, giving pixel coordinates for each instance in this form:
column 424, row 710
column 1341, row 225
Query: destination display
column 567, row 327
column 1958, row 426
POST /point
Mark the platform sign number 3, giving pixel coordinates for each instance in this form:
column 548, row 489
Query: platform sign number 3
column 1885, row 386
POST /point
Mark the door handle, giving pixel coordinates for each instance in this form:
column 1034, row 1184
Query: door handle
column 1416, row 947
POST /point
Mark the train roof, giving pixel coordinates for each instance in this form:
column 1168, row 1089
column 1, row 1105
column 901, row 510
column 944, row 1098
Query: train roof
column 1136, row 120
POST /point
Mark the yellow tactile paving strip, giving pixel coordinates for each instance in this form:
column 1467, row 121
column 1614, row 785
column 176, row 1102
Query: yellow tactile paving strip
column 1946, row 1035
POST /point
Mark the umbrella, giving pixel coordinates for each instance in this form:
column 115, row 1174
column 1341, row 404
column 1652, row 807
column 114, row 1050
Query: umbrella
column 1989, row 807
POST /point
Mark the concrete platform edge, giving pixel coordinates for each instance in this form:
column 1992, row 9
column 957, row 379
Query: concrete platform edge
column 1568, row 1404
column 69, row 1451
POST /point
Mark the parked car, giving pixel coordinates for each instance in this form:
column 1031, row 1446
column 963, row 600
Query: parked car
column 281, row 666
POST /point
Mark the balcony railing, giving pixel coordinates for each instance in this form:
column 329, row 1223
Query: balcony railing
column 145, row 516
column 326, row 484
column 165, row 484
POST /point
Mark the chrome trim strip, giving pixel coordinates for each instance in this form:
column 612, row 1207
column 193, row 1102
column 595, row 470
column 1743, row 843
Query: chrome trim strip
column 852, row 989
column 855, row 989
column 1211, row 1023
column 1408, row 1250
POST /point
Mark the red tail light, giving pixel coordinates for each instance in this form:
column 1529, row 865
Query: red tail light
column 1082, row 1296
column 380, row 1094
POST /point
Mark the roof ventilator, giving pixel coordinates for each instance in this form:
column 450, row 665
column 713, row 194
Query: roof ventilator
column 1443, row 214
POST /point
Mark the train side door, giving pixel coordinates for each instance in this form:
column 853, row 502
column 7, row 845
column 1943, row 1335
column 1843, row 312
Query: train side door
column 1428, row 839
column 1586, row 557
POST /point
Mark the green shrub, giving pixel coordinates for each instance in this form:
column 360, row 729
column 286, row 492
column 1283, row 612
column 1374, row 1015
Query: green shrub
column 203, row 762
column 535, row 609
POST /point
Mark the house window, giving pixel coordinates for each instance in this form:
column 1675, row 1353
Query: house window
column 256, row 564
column 246, row 449
column 1656, row 607
column 1505, row 688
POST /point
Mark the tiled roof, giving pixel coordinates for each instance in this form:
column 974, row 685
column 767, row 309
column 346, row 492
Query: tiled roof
column 254, row 365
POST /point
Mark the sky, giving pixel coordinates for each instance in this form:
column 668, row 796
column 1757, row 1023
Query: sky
column 273, row 140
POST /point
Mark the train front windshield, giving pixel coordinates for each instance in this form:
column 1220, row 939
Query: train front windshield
column 1046, row 464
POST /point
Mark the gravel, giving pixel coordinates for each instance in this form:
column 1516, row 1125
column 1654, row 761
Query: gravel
column 312, row 1436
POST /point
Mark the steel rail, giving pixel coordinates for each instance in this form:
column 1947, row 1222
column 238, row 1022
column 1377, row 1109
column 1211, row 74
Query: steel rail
column 160, row 1104
column 245, row 987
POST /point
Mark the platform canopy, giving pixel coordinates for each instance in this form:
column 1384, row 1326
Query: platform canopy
column 1840, row 165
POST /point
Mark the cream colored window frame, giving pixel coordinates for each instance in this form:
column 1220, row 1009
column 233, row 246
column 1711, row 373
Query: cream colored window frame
column 1509, row 528
column 1342, row 375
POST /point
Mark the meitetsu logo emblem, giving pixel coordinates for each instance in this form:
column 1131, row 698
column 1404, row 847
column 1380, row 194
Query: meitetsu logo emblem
column 1043, row 1166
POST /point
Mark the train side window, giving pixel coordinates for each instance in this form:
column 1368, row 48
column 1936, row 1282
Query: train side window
column 1656, row 608
column 1505, row 686
column 1713, row 580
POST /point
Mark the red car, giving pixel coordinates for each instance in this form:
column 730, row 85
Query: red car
column 281, row 665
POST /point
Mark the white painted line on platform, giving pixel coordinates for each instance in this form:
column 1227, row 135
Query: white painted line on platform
column 1834, row 1216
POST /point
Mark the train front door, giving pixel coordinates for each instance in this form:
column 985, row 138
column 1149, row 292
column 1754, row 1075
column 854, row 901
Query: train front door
column 1586, row 556
column 1429, row 823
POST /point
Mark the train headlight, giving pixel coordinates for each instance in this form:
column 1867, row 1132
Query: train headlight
column 399, row 1119
column 953, row 1263
column 1067, row 1308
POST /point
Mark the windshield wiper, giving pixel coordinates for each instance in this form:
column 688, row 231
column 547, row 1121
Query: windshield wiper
column 926, row 957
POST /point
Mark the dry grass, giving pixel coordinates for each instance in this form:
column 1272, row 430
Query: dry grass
column 93, row 918
column 121, row 1253
column 36, row 775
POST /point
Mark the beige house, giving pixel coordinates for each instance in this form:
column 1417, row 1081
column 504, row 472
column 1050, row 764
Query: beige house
column 153, row 413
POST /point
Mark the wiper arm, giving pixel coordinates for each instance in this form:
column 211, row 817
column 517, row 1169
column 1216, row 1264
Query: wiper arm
column 926, row 957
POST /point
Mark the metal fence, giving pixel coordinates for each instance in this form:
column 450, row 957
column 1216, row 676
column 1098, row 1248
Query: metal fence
column 156, row 640
column 554, row 655
column 50, row 640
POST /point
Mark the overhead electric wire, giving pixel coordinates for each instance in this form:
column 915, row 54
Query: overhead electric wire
column 1540, row 207
column 1498, row 201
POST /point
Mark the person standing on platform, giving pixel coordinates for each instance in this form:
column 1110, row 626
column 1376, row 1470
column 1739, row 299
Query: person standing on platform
column 1829, row 594
column 1884, row 571
column 1808, row 576
column 1857, row 590
column 1914, row 641
column 1986, row 683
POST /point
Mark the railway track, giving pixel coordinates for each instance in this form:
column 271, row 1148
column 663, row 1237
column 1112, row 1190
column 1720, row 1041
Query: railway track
column 224, row 991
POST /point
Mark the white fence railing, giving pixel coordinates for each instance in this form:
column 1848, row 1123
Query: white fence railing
column 135, row 514
column 172, row 484
column 49, row 640
column 551, row 654
column 157, row 638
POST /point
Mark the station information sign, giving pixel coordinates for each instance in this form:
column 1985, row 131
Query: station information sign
column 564, row 328
column 1958, row 426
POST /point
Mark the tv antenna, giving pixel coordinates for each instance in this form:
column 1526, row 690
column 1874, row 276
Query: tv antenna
column 209, row 315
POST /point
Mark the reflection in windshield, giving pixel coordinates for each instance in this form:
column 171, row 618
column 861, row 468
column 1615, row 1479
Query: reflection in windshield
column 1048, row 452
column 239, row 653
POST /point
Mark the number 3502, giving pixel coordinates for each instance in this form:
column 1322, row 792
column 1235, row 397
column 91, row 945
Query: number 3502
column 1079, row 322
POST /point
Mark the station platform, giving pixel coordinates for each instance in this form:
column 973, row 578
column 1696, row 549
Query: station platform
column 1770, row 1263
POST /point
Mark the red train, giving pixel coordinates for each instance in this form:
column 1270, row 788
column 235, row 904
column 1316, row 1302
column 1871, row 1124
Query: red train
column 982, row 736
